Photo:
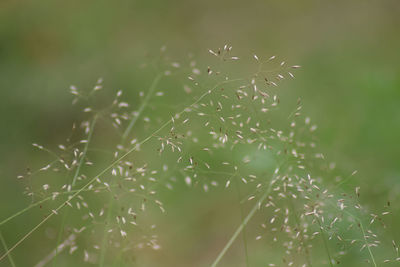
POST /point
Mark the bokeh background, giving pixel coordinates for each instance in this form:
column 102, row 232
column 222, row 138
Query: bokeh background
column 349, row 84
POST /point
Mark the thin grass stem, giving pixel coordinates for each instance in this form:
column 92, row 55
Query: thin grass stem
column 5, row 247
column 325, row 242
column 105, row 233
column 142, row 107
column 242, row 218
column 242, row 225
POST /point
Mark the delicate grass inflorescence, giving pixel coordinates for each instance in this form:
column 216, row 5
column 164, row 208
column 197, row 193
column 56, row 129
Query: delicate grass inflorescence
column 226, row 131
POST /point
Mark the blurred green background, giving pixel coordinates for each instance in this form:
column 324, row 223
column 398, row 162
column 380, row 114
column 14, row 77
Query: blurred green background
column 349, row 84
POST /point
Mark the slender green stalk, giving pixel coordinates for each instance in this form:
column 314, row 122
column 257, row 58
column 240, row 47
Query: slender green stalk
column 366, row 243
column 142, row 107
column 105, row 233
column 363, row 233
column 124, row 136
column 60, row 234
column 242, row 225
column 5, row 247
column 325, row 242
column 77, row 173
column 24, row 210
column 242, row 218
